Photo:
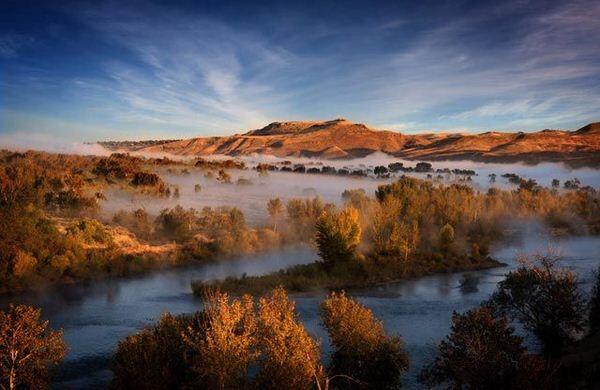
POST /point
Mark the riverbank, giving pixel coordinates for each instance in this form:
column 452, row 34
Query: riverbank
column 314, row 276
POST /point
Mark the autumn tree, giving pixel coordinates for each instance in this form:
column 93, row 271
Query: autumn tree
column 392, row 235
column 223, row 352
column 338, row 235
column 446, row 239
column 275, row 209
column 290, row 357
column 153, row 358
column 362, row 349
column 482, row 352
column 545, row 299
column 224, row 177
column 28, row 348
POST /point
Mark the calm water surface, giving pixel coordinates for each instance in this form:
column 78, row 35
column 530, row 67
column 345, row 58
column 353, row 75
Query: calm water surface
column 96, row 315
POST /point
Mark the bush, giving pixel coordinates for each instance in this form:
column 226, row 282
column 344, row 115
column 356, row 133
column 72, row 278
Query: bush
column 362, row 349
column 153, row 358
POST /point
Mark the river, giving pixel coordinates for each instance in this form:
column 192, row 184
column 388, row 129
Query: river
column 96, row 315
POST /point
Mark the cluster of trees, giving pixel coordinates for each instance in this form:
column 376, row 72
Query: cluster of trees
column 46, row 235
column 412, row 227
column 243, row 343
column 483, row 351
column 202, row 234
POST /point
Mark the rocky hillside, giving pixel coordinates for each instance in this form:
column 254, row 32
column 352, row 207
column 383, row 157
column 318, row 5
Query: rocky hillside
column 340, row 138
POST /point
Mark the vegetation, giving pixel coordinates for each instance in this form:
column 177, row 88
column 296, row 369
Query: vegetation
column 545, row 299
column 244, row 343
column 411, row 228
column 338, row 235
column 29, row 349
column 363, row 352
column 482, row 352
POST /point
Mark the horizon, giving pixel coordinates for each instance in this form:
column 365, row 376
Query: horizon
column 150, row 70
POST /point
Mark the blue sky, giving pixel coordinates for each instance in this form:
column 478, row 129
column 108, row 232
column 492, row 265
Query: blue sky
column 84, row 71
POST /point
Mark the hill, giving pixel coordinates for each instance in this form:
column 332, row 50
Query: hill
column 342, row 139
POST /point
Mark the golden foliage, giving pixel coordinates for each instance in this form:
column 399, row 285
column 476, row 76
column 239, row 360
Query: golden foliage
column 28, row 348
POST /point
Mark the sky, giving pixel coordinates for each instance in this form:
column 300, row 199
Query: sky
column 87, row 71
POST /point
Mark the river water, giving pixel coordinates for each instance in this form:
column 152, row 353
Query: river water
column 96, row 315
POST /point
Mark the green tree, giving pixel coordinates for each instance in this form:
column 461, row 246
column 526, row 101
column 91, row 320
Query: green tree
column 482, row 352
column 545, row 299
column 338, row 235
column 28, row 348
column 362, row 349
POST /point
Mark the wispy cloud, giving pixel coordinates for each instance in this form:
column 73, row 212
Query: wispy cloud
column 194, row 72
column 11, row 43
column 163, row 71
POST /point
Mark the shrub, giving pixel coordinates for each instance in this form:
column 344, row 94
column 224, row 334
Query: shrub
column 153, row 358
column 362, row 349
column 223, row 352
column 290, row 358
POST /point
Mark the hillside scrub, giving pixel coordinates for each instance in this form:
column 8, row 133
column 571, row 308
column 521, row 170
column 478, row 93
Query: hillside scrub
column 49, row 234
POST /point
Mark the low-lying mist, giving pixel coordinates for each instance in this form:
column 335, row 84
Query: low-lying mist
column 254, row 190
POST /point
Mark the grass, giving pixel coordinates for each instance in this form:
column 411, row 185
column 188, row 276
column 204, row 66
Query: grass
column 356, row 274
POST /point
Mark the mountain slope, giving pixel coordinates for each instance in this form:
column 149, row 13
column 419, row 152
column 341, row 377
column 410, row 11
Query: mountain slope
column 340, row 138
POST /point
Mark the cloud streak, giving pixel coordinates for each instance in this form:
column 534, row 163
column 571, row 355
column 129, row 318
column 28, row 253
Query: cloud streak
column 174, row 72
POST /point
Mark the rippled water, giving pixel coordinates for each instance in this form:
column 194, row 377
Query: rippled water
column 95, row 316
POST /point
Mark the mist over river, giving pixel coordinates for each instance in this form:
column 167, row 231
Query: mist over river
column 96, row 315
column 251, row 198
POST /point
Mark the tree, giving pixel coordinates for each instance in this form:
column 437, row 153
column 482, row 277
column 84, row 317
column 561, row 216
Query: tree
column 545, row 299
column 446, row 238
column 338, row 235
column 595, row 305
column 481, row 352
column 224, row 177
column 290, row 358
column 153, row 358
column 362, row 349
column 225, row 349
column 275, row 209
column 28, row 348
